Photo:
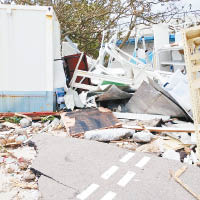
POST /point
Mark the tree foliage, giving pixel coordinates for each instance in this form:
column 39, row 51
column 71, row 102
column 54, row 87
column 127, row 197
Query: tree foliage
column 83, row 21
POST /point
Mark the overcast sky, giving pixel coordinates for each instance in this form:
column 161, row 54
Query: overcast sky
column 195, row 3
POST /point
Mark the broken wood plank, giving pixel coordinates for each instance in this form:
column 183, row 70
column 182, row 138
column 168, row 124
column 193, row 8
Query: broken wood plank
column 23, row 116
column 196, row 41
column 193, row 33
column 195, row 56
column 195, row 68
column 196, row 83
column 160, row 129
column 176, row 176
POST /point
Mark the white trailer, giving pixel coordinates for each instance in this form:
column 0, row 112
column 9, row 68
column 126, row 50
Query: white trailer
column 29, row 43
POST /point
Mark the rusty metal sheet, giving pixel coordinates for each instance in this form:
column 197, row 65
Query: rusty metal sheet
column 91, row 119
column 113, row 93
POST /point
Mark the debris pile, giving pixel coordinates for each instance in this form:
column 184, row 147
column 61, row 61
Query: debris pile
column 133, row 106
column 147, row 110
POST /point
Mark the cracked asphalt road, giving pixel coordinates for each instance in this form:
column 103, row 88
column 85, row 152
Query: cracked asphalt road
column 88, row 170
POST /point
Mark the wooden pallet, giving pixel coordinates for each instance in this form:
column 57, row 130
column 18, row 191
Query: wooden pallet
column 191, row 39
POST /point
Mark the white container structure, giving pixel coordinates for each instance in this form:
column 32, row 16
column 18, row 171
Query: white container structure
column 29, row 43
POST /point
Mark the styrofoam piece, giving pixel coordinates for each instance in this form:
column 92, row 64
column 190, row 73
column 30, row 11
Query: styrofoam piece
column 171, row 154
column 188, row 160
column 194, row 157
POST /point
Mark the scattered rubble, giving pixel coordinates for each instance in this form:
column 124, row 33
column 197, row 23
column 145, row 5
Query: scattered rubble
column 143, row 136
column 17, row 153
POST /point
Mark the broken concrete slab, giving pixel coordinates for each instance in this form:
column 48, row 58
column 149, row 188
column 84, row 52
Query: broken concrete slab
column 71, row 165
column 59, row 191
column 107, row 135
column 66, row 155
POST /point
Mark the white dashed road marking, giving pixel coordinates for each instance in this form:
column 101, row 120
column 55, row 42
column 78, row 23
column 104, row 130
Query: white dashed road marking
column 126, row 178
column 87, row 192
column 106, row 175
column 143, row 162
column 127, row 157
column 109, row 196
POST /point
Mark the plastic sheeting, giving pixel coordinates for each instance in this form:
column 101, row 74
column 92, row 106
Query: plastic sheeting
column 178, row 87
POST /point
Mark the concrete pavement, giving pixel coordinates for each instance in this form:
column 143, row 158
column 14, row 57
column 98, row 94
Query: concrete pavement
column 88, row 170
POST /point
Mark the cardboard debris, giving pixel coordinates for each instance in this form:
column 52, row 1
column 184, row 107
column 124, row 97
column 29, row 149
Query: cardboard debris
column 153, row 147
column 169, row 143
column 161, row 144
